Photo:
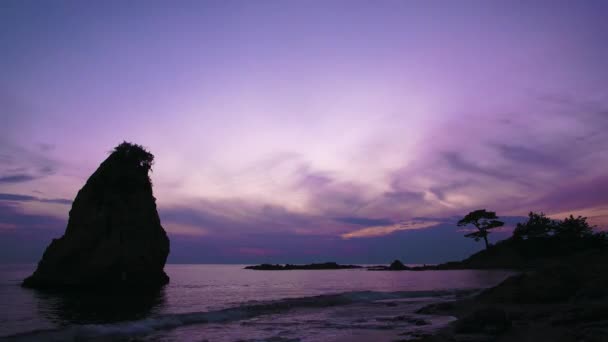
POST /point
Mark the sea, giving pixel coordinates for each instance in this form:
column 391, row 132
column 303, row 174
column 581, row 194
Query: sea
column 228, row 303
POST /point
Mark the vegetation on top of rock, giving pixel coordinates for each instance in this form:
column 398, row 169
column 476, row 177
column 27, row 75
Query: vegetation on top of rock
column 133, row 154
column 125, row 170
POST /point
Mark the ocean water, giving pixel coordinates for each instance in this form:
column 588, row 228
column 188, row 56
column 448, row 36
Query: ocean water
column 229, row 303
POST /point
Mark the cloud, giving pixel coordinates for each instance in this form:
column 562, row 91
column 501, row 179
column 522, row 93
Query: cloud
column 530, row 167
column 597, row 216
column 307, row 178
column 584, row 195
column 23, row 236
column 235, row 217
column 26, row 198
column 411, row 246
column 173, row 228
column 441, row 190
column 11, row 214
column 20, row 164
column 17, row 178
column 388, row 229
column 457, row 162
column 326, row 194
column 46, row 147
column 363, row 221
column 525, row 155
column 257, row 252
column 404, row 196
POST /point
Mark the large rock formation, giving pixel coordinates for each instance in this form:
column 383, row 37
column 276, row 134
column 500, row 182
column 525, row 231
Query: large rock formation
column 114, row 238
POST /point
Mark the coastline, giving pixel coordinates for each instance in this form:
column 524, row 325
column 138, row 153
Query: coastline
column 563, row 303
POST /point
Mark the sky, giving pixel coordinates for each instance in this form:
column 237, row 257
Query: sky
column 301, row 131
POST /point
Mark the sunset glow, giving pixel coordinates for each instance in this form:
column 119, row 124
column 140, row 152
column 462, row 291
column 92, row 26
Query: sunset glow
column 317, row 124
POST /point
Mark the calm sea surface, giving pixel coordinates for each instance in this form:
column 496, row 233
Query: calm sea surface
column 228, row 303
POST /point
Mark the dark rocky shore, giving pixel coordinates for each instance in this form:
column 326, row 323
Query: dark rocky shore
column 289, row 267
column 559, row 295
column 561, row 303
column 114, row 238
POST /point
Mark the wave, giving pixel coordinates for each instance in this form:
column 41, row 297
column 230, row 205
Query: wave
column 246, row 311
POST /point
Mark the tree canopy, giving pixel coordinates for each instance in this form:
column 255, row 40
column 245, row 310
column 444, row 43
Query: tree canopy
column 483, row 220
column 537, row 226
column 541, row 226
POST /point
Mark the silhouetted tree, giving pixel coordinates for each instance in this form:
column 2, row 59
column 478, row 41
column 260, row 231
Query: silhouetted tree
column 537, row 226
column 574, row 227
column 482, row 220
column 540, row 226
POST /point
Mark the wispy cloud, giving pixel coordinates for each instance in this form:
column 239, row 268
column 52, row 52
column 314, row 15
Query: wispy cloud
column 12, row 215
column 364, row 221
column 16, row 178
column 388, row 229
column 27, row 198
column 21, row 165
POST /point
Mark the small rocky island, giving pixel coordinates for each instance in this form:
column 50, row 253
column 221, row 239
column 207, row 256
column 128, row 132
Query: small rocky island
column 289, row 267
column 114, row 238
column 396, row 265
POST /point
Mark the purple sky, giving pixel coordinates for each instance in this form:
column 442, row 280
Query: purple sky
column 306, row 130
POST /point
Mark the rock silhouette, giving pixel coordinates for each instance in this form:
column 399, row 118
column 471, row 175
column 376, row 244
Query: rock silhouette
column 114, row 238
column 397, row 265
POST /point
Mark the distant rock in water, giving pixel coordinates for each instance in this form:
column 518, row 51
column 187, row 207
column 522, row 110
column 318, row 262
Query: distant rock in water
column 397, row 265
column 114, row 238
column 287, row 267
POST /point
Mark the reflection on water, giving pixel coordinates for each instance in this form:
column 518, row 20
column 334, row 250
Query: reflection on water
column 84, row 308
column 203, row 288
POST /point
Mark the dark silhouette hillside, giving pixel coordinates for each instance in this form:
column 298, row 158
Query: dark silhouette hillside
column 561, row 293
column 537, row 242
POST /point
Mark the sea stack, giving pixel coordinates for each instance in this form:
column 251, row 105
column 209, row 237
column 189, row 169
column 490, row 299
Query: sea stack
column 114, row 238
column 397, row 265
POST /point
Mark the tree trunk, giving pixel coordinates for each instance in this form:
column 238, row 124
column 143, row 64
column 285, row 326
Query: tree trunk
column 485, row 239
